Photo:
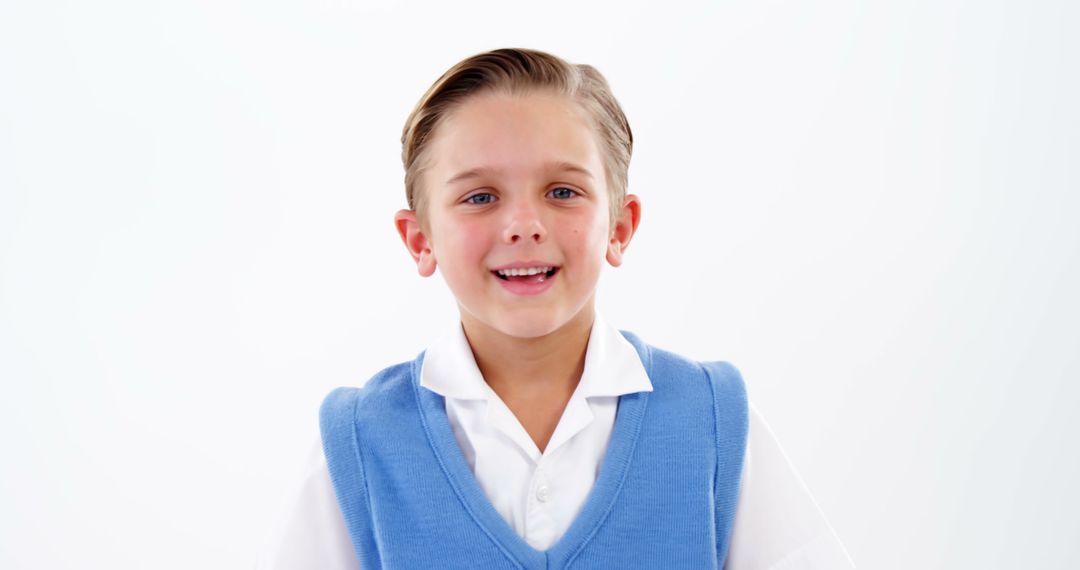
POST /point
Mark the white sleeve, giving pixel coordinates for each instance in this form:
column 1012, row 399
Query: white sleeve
column 778, row 525
column 310, row 532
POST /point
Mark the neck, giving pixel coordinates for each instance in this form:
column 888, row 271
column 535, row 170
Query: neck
column 545, row 367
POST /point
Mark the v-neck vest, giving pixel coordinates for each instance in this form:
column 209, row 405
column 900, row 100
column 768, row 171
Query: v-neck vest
column 665, row 496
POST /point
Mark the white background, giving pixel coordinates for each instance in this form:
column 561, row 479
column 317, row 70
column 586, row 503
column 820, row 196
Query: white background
column 869, row 208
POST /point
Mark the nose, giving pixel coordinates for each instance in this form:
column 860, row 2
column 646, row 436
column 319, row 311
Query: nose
column 525, row 223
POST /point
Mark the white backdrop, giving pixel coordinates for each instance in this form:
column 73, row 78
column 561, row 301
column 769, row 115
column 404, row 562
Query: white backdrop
column 869, row 208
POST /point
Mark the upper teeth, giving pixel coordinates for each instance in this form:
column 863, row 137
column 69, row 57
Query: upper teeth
column 523, row 271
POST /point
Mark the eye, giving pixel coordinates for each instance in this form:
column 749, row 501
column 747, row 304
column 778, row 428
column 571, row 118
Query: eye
column 480, row 199
column 564, row 193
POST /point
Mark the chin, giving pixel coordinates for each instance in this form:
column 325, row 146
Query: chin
column 527, row 323
column 525, row 328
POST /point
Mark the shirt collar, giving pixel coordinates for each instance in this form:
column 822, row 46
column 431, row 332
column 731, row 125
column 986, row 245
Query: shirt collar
column 612, row 366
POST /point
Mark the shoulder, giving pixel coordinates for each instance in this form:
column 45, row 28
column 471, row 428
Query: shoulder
column 389, row 387
column 725, row 379
column 721, row 375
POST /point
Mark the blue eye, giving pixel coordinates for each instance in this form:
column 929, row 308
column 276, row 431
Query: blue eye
column 485, row 198
column 563, row 193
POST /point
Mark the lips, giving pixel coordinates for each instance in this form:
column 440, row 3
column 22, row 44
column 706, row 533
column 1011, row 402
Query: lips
column 530, row 274
column 527, row 285
column 518, row 270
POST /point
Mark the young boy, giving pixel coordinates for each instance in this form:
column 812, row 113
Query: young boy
column 535, row 435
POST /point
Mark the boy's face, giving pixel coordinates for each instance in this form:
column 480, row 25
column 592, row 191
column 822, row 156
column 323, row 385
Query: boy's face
column 517, row 208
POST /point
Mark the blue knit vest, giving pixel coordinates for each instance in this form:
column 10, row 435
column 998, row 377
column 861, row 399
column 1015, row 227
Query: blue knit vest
column 665, row 496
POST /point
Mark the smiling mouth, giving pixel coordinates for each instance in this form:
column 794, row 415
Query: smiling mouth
column 536, row 277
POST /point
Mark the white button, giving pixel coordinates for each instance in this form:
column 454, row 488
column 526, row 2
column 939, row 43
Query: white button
column 542, row 493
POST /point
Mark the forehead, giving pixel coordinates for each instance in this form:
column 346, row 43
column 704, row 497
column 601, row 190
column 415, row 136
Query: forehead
column 513, row 135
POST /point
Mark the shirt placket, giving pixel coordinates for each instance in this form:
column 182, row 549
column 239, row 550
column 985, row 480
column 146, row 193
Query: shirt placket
column 539, row 525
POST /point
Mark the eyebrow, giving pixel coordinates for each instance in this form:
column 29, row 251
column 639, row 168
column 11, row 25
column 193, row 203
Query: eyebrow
column 558, row 165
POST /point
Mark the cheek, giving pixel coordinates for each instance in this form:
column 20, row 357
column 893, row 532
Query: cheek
column 462, row 248
column 589, row 243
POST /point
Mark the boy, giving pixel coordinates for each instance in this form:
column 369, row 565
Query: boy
column 535, row 435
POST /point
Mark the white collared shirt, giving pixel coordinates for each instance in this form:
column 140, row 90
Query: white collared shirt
column 538, row 494
column 778, row 526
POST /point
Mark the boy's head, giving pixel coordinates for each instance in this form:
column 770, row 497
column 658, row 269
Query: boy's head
column 519, row 71
column 510, row 181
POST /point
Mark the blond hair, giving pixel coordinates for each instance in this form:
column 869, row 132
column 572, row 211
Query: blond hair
column 515, row 71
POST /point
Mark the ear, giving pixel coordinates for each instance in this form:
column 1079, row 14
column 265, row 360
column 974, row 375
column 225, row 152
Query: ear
column 625, row 226
column 416, row 241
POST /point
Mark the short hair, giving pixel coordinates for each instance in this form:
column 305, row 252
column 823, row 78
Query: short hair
column 514, row 71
